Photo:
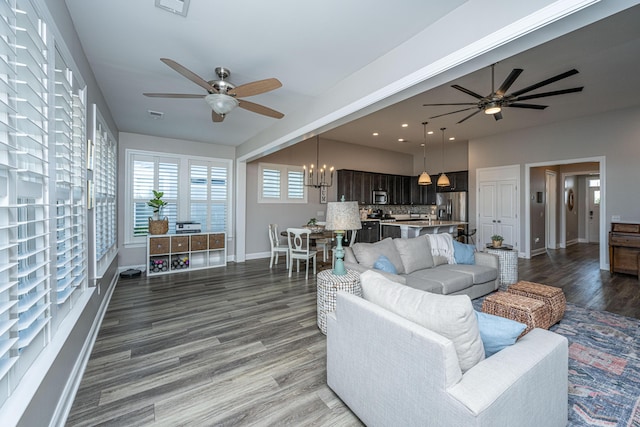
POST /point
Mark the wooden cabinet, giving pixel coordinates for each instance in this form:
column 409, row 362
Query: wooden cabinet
column 624, row 248
column 369, row 233
column 458, row 181
column 183, row 252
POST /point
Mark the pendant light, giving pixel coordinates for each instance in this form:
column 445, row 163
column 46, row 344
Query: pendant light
column 424, row 178
column 443, row 180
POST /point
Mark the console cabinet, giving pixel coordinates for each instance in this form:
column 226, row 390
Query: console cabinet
column 624, row 248
column 173, row 253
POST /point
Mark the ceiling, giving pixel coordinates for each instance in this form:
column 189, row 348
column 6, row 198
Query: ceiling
column 313, row 48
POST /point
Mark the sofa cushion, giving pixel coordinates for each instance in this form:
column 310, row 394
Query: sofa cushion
column 479, row 273
column 415, row 253
column 367, row 253
column 383, row 264
column 450, row 316
column 449, row 281
column 497, row 332
column 463, row 253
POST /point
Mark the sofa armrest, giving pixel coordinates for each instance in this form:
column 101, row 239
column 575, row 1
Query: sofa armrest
column 361, row 269
column 487, row 259
column 529, row 377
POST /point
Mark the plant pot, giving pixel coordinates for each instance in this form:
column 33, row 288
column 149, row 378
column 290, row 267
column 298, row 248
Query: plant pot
column 158, row 226
column 497, row 243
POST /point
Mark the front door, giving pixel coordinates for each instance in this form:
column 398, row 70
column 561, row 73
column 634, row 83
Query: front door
column 593, row 211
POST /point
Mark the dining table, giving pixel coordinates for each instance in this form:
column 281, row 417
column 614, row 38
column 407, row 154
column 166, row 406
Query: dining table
column 313, row 236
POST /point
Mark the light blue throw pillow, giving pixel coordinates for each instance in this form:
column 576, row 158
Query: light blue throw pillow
column 384, row 264
column 497, row 332
column 463, row 253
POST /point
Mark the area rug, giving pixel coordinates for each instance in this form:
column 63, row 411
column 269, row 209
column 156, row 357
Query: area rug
column 604, row 367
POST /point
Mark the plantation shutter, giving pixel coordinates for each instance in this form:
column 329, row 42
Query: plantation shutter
column 208, row 195
column 270, row 183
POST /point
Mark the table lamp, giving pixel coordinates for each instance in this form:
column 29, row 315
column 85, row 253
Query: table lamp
column 342, row 216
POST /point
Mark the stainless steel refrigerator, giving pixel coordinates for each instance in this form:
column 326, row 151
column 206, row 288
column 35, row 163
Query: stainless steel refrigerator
column 452, row 206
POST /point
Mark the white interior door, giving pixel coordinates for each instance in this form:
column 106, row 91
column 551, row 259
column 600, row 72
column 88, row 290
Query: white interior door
column 506, row 213
column 486, row 212
column 593, row 211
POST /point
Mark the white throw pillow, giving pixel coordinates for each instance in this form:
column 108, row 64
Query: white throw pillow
column 451, row 316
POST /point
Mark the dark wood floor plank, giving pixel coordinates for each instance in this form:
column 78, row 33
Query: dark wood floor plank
column 239, row 345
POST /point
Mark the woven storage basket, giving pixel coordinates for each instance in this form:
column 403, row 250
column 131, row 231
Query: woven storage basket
column 532, row 312
column 159, row 226
column 553, row 297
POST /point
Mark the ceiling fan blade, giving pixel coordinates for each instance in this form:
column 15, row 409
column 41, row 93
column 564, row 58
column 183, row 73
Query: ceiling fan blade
column 260, row 109
column 467, row 91
column 453, row 112
column 469, row 116
column 172, row 95
column 508, row 81
column 552, row 93
column 531, row 106
column 215, row 117
column 189, row 74
column 453, row 103
column 546, row 82
column 255, row 88
column 498, row 116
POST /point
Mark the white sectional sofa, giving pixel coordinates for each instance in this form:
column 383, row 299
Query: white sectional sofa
column 393, row 371
column 416, row 266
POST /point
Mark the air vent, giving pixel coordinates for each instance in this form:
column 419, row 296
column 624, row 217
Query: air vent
column 156, row 115
column 179, row 7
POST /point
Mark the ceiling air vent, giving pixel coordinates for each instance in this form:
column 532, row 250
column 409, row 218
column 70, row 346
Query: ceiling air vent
column 156, row 115
column 179, row 7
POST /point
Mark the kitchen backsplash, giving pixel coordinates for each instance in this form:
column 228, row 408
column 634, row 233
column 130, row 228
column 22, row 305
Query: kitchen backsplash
column 403, row 209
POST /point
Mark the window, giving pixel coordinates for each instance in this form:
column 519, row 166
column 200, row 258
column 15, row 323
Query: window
column 281, row 184
column 195, row 189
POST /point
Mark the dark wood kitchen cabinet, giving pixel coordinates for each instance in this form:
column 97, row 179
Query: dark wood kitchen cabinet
column 369, row 233
column 458, row 181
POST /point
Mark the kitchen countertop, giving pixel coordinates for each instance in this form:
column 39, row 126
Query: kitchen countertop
column 425, row 223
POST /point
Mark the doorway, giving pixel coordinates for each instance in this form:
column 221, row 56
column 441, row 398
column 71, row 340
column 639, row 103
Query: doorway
column 593, row 209
column 586, row 166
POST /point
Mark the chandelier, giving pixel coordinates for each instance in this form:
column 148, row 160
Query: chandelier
column 318, row 178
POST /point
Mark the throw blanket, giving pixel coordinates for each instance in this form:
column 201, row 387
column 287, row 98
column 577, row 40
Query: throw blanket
column 442, row 245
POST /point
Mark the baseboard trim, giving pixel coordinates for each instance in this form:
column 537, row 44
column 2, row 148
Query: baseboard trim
column 73, row 383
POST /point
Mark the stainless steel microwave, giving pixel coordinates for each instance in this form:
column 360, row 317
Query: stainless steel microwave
column 380, row 197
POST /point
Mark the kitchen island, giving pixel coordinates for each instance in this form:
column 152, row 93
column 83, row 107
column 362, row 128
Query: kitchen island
column 410, row 229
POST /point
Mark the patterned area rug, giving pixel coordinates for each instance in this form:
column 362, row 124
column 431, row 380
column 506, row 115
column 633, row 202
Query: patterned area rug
column 604, row 367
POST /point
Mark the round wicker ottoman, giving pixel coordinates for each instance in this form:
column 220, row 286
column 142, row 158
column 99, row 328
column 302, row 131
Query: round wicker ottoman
column 532, row 312
column 553, row 297
column 328, row 286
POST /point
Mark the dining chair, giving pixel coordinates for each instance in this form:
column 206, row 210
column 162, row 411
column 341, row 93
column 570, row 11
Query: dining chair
column 298, row 239
column 276, row 246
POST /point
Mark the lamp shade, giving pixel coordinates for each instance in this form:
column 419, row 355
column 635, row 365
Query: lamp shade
column 443, row 180
column 343, row 216
column 424, row 179
column 221, row 103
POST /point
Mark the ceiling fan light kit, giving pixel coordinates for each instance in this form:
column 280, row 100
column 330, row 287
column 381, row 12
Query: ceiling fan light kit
column 220, row 103
column 492, row 108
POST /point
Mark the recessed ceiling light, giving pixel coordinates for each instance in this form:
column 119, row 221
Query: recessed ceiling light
column 430, row 132
column 452, row 138
column 376, row 134
column 179, row 7
column 400, row 139
column 404, row 125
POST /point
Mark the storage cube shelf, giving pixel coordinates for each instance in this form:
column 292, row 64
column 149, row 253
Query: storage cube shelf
column 185, row 252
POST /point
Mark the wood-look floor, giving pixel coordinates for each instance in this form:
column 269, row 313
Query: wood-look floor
column 239, row 345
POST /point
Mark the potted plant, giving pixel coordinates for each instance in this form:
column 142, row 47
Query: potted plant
column 157, row 225
column 497, row 239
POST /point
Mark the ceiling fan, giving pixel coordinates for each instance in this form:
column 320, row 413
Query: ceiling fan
column 497, row 99
column 223, row 96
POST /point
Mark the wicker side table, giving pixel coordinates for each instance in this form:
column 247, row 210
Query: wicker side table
column 553, row 297
column 532, row 312
column 508, row 265
column 328, row 286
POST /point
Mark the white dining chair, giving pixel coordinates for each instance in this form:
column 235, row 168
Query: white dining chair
column 276, row 246
column 298, row 239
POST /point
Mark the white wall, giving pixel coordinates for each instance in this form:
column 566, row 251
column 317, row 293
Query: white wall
column 614, row 135
column 131, row 256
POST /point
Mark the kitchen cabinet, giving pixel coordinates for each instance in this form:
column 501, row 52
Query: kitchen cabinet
column 369, row 233
column 458, row 181
column 183, row 252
